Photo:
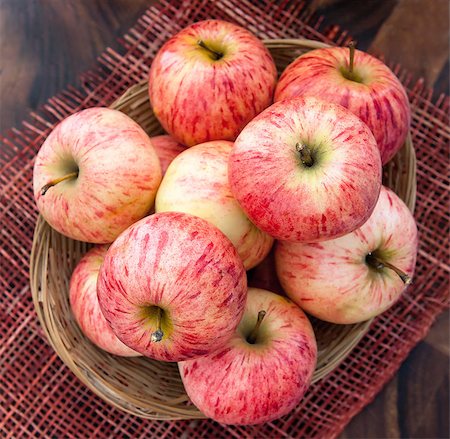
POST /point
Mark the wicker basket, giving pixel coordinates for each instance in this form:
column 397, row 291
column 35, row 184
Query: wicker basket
column 140, row 386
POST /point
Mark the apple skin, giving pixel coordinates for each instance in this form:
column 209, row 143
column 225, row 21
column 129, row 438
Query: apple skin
column 183, row 265
column 167, row 148
column 197, row 98
column 245, row 383
column 119, row 173
column 197, row 183
column 380, row 101
column 294, row 202
column 85, row 306
column 332, row 281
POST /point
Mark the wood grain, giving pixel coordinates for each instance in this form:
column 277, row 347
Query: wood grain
column 361, row 18
column 46, row 44
column 414, row 404
column 416, row 33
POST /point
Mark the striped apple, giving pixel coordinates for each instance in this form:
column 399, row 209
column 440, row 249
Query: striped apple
column 196, row 182
column 172, row 287
column 306, row 170
column 167, row 148
column 209, row 80
column 357, row 81
column 358, row 276
column 95, row 175
column 264, row 370
column 85, row 306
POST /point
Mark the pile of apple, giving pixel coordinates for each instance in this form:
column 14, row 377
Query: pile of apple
column 235, row 172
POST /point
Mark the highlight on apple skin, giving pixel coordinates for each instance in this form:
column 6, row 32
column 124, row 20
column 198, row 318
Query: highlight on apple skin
column 370, row 90
column 209, row 80
column 172, row 287
column 85, row 306
column 265, row 369
column 96, row 174
column 167, row 148
column 196, row 182
column 306, row 170
column 358, row 276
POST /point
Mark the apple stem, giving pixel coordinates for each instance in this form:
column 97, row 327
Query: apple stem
column 305, row 154
column 351, row 46
column 215, row 54
column 254, row 334
column 158, row 335
column 47, row 186
column 379, row 264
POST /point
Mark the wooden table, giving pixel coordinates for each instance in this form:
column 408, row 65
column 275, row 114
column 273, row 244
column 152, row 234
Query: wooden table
column 46, row 44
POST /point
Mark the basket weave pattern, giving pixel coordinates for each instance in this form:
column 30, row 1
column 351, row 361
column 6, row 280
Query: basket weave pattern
column 41, row 397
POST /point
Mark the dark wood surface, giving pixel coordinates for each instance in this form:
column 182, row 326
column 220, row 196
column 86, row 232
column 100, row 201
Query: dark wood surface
column 46, row 44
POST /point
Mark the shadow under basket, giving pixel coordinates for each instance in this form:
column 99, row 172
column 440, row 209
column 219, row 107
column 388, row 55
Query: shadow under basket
column 140, row 386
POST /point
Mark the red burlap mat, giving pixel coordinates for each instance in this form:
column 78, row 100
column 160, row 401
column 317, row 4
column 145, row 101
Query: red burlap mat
column 40, row 397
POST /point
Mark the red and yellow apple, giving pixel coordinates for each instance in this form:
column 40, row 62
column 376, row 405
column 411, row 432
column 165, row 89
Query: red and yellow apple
column 263, row 372
column 306, row 170
column 96, row 174
column 359, row 82
column 85, row 307
column 172, row 287
column 209, row 80
column 167, row 148
column 357, row 276
column 196, row 182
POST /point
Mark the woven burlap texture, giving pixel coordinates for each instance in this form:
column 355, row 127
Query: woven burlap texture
column 40, row 397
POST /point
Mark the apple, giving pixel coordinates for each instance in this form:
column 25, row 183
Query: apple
column 209, row 80
column 359, row 82
column 358, row 276
column 306, row 170
column 85, row 307
column 172, row 287
column 263, row 372
column 167, row 148
column 196, row 182
column 96, row 174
